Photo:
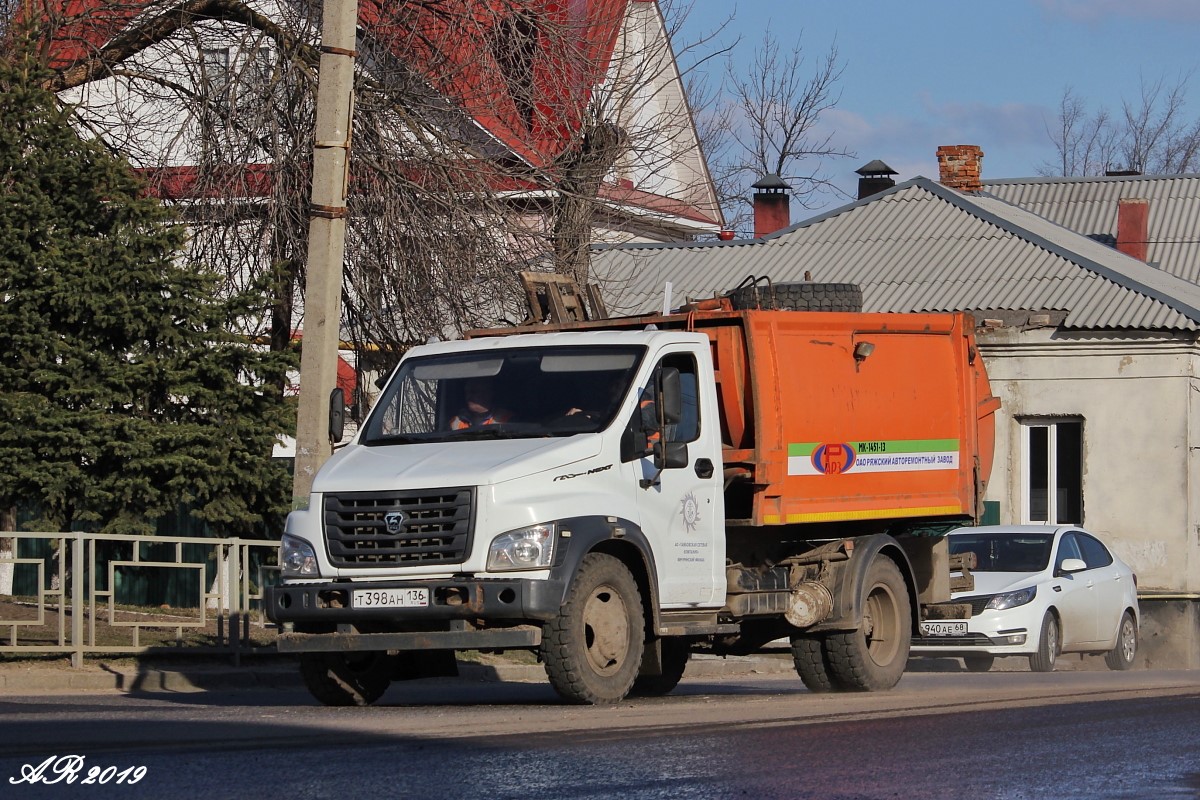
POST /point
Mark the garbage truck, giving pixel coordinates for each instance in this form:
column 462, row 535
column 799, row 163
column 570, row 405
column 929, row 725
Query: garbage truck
column 615, row 495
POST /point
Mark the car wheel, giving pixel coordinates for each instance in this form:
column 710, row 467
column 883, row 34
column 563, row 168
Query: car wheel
column 1048, row 646
column 979, row 663
column 593, row 649
column 1121, row 657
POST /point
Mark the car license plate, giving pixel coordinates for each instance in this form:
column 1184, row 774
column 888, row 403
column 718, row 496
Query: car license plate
column 389, row 598
column 944, row 628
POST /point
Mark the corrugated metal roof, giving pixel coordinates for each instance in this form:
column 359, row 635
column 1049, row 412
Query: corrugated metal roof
column 1089, row 206
column 919, row 247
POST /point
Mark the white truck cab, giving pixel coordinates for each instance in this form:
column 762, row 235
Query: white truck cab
column 444, row 509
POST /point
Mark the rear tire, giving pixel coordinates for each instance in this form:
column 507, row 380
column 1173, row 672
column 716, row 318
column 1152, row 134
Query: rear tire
column 1122, row 656
column 873, row 657
column 675, row 655
column 347, row 679
column 1048, row 646
column 812, row 665
column 593, row 648
column 979, row 663
column 798, row 297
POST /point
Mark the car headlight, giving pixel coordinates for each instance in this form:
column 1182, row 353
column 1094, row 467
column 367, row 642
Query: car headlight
column 1012, row 599
column 297, row 558
column 524, row 548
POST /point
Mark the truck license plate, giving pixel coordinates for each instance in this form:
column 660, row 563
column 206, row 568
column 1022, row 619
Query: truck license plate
column 944, row 628
column 389, row 598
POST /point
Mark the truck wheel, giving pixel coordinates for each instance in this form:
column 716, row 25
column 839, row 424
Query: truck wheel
column 873, row 657
column 798, row 297
column 1121, row 657
column 347, row 679
column 812, row 664
column 593, row 648
column 675, row 655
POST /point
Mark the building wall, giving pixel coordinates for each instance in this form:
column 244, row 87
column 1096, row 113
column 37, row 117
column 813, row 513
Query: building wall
column 1136, row 396
column 1139, row 400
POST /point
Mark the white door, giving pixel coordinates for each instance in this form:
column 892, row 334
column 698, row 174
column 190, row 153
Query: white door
column 1075, row 596
column 682, row 508
column 1108, row 585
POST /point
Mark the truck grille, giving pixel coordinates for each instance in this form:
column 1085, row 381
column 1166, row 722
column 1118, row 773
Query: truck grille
column 424, row 526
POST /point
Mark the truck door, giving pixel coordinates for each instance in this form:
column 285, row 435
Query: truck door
column 682, row 508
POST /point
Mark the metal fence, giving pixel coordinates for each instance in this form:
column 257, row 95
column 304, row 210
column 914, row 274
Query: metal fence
column 88, row 593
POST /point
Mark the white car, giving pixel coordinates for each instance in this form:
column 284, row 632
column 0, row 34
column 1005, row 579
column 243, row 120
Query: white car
column 1040, row 590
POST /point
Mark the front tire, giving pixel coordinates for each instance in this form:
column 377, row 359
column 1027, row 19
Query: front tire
column 873, row 658
column 593, row 648
column 347, row 679
column 979, row 663
column 1122, row 656
column 1048, row 646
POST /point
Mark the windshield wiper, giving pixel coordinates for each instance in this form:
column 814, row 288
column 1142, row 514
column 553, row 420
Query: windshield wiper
column 486, row 432
column 399, row 438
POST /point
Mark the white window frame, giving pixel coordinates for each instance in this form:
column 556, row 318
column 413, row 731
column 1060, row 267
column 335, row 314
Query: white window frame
column 1051, row 424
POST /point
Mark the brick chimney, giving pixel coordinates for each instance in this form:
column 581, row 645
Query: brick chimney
column 1133, row 226
column 772, row 206
column 960, row 166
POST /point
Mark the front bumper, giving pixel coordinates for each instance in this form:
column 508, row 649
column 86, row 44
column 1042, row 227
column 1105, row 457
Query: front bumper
column 508, row 600
column 974, row 644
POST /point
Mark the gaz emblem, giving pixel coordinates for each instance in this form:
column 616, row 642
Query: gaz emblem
column 393, row 521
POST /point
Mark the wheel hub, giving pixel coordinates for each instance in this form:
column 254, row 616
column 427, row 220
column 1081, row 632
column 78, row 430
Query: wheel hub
column 607, row 630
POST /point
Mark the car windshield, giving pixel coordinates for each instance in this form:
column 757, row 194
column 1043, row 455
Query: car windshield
column 1005, row 552
column 503, row 394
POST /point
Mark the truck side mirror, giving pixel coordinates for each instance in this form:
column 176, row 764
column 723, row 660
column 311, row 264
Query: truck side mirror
column 666, row 455
column 337, row 415
column 670, row 396
column 670, row 455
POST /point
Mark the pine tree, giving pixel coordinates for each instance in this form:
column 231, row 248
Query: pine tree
column 125, row 390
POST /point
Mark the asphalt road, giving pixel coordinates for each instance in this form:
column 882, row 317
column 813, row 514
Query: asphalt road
column 937, row 735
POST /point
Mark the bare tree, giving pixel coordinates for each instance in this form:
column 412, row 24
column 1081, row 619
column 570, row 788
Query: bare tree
column 1152, row 135
column 771, row 124
column 1085, row 143
column 214, row 99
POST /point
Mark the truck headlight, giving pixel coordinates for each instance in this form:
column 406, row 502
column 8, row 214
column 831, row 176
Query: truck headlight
column 524, row 548
column 297, row 558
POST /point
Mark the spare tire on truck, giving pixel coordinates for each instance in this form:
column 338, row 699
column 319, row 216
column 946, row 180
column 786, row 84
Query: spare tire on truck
column 798, row 297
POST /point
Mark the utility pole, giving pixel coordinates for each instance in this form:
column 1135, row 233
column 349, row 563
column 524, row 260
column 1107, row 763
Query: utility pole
column 326, row 242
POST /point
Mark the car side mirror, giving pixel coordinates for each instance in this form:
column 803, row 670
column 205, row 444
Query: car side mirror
column 1072, row 565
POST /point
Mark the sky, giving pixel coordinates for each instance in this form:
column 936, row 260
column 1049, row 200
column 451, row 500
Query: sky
column 924, row 73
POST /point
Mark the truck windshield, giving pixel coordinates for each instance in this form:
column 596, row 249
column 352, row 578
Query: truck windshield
column 506, row 394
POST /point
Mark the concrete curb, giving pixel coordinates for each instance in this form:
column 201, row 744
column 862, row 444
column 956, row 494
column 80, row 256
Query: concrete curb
column 39, row 679
column 284, row 674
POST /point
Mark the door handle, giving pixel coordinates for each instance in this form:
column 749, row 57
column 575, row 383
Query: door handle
column 704, row 468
